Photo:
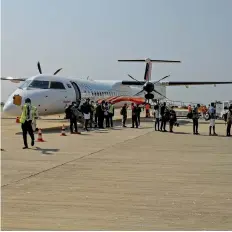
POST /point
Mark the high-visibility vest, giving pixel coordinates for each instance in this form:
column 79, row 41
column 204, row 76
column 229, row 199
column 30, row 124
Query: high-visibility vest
column 111, row 109
column 24, row 116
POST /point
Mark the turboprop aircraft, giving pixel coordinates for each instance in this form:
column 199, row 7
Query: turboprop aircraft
column 52, row 93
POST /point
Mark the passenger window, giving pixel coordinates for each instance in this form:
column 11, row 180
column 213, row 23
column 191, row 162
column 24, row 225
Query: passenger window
column 39, row 84
column 56, row 85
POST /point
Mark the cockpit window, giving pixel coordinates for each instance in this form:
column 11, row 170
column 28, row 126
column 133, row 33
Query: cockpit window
column 39, row 84
column 25, row 84
column 56, row 85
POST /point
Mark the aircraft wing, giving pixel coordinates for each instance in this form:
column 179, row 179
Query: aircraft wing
column 179, row 83
column 12, row 79
column 187, row 83
column 133, row 82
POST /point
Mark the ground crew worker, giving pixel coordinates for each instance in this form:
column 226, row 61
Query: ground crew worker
column 195, row 118
column 111, row 113
column 134, row 115
column 27, row 116
column 123, row 112
column 212, row 114
column 229, row 121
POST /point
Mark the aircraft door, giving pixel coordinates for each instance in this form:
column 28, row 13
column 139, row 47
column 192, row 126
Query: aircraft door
column 77, row 91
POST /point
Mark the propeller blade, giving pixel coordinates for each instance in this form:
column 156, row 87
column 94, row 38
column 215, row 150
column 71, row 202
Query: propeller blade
column 135, row 79
column 139, row 92
column 161, row 94
column 132, row 78
column 161, row 79
column 57, row 71
column 39, row 67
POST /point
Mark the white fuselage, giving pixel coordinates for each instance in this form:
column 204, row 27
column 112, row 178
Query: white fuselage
column 51, row 94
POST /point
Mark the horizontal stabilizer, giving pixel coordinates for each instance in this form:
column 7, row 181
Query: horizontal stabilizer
column 158, row 61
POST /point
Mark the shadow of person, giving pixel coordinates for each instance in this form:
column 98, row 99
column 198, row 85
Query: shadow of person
column 46, row 151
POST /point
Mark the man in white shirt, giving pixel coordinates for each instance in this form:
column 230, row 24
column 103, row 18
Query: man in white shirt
column 212, row 114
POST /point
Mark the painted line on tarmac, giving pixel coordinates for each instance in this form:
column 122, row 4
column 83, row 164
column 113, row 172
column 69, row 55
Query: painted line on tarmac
column 73, row 160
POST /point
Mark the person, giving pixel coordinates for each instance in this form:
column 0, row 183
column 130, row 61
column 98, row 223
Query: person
column 147, row 107
column 106, row 115
column 92, row 112
column 101, row 110
column 96, row 115
column 195, row 118
column 86, row 109
column 157, row 117
column 212, row 114
column 111, row 113
column 138, row 113
column 134, row 116
column 123, row 112
column 34, row 117
column 172, row 119
column 189, row 108
column 73, row 118
column 163, row 113
column 27, row 116
column 229, row 121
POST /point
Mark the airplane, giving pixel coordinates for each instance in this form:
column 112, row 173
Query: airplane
column 51, row 93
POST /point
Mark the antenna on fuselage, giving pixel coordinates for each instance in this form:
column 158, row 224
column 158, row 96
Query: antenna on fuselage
column 40, row 70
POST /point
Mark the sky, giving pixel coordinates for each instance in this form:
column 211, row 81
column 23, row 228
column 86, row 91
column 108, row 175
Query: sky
column 86, row 38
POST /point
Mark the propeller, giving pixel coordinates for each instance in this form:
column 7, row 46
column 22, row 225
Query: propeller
column 40, row 70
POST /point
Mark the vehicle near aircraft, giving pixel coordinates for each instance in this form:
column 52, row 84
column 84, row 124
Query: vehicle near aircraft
column 51, row 93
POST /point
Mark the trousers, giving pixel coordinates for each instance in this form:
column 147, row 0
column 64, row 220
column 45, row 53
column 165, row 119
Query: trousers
column 195, row 125
column 163, row 123
column 134, row 121
column 27, row 127
column 73, row 123
column 228, row 129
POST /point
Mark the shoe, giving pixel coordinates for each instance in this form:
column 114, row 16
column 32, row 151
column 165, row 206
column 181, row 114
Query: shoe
column 32, row 143
column 215, row 134
column 25, row 147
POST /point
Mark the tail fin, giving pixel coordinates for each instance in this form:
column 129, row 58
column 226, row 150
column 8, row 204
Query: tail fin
column 147, row 74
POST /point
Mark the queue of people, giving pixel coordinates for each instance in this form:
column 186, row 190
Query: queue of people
column 104, row 111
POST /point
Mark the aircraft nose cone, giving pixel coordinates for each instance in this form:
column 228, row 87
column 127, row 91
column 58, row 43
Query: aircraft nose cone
column 11, row 109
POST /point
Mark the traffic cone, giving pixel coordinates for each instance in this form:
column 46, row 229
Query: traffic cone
column 40, row 138
column 63, row 131
column 17, row 120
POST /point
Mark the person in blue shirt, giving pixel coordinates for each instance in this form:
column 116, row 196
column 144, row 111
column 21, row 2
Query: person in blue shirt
column 212, row 114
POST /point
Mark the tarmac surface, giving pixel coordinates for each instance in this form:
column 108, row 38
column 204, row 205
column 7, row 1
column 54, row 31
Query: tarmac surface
column 117, row 179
